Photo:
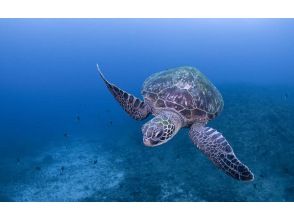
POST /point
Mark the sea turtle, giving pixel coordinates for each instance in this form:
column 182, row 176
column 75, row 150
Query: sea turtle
column 182, row 97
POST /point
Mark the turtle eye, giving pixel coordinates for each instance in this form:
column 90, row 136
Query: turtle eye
column 158, row 134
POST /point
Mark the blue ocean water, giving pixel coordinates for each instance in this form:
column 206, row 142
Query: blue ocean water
column 63, row 137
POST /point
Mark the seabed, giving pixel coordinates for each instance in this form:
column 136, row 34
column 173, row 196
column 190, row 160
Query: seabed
column 116, row 166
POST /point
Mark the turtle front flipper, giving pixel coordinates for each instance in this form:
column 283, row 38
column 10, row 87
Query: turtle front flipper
column 219, row 151
column 136, row 108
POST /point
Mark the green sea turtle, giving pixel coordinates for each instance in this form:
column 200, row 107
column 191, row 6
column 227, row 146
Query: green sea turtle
column 182, row 97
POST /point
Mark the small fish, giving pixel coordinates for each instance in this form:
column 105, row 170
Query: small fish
column 110, row 122
column 18, row 160
column 61, row 170
column 95, row 161
column 286, row 96
column 65, row 135
column 37, row 168
column 78, row 118
column 286, row 170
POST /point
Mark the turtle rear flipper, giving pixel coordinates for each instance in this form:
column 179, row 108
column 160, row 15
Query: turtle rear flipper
column 219, row 151
column 136, row 108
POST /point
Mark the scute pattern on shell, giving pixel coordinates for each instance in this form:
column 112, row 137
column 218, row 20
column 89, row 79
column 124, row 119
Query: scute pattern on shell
column 185, row 90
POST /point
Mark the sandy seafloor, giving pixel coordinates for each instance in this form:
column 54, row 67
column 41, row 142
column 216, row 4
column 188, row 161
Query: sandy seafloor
column 114, row 165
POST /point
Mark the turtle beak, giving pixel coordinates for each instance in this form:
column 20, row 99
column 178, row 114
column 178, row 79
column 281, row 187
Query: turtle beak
column 150, row 143
column 147, row 142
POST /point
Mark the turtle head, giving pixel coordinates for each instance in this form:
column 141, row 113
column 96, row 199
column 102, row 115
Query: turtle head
column 160, row 129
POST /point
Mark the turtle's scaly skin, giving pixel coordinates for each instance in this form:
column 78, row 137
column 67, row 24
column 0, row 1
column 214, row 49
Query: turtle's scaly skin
column 184, row 90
